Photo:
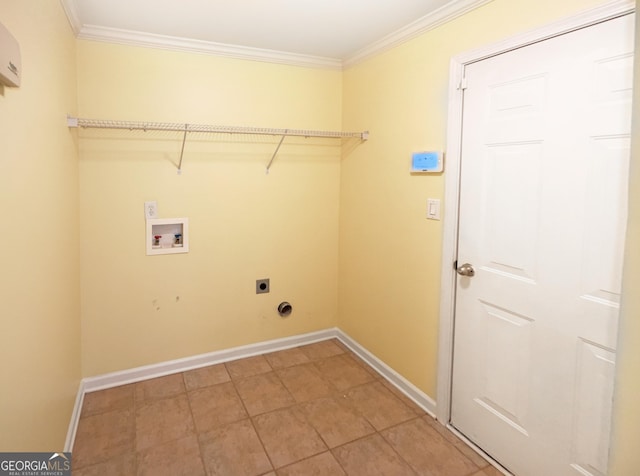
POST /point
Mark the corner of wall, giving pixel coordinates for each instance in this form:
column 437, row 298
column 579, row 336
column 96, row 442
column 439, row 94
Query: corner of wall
column 39, row 201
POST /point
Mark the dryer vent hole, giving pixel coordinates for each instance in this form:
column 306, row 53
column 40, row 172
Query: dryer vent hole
column 284, row 309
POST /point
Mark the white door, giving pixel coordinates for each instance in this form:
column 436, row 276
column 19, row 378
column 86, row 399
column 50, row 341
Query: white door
column 543, row 204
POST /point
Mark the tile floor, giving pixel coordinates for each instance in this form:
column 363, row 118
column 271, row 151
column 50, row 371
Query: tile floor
column 311, row 410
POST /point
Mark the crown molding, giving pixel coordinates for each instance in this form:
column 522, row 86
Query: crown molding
column 70, row 10
column 135, row 38
column 444, row 14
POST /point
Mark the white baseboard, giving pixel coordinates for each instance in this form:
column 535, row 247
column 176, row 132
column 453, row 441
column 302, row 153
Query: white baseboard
column 75, row 418
column 137, row 374
column 420, row 398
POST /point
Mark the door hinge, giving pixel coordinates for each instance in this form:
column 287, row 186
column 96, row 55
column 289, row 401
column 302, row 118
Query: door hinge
column 463, row 84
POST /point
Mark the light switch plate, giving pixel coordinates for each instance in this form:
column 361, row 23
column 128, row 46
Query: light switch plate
column 433, row 209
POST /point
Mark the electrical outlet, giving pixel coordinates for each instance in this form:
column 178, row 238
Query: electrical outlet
column 262, row 286
column 151, row 209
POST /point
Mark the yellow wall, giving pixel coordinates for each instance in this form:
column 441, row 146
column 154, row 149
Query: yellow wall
column 313, row 223
column 244, row 224
column 39, row 278
column 625, row 457
column 389, row 253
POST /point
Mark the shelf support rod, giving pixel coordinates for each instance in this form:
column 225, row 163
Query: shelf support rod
column 277, row 149
column 184, row 139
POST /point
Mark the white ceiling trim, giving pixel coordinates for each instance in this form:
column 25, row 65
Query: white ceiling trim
column 134, row 38
column 444, row 14
column 450, row 11
column 72, row 15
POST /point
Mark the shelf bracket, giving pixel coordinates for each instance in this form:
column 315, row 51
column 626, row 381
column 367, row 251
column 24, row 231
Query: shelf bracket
column 277, row 149
column 184, row 139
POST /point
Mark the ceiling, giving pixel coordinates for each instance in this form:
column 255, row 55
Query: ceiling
column 329, row 33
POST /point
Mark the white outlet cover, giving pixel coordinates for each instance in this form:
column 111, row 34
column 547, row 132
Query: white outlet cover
column 151, row 210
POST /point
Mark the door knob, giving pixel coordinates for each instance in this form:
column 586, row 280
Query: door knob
column 466, row 270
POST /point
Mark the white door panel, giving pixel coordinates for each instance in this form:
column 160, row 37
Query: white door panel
column 592, row 409
column 543, row 205
column 510, row 225
column 604, row 238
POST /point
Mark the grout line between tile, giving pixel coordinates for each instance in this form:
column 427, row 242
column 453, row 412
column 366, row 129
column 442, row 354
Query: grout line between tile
column 338, row 461
column 335, row 393
column 135, row 430
column 369, row 436
column 294, row 405
column 264, row 448
column 195, row 427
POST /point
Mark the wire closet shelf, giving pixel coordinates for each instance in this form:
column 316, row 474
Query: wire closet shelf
column 211, row 129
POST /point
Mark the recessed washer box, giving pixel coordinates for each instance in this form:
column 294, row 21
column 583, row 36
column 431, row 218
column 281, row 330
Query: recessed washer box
column 167, row 236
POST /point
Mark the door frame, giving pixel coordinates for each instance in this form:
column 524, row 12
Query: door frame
column 448, row 275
